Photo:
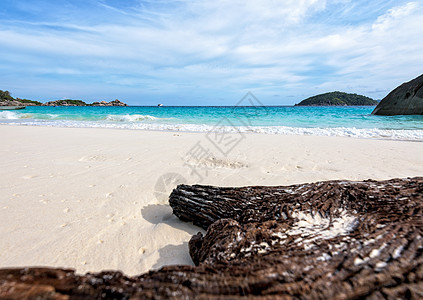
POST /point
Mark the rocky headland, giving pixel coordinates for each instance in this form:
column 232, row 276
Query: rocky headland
column 407, row 99
column 324, row 240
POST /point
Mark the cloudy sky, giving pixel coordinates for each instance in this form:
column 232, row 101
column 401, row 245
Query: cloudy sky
column 194, row 52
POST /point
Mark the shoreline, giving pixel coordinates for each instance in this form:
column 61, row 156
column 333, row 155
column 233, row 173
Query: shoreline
column 259, row 130
column 89, row 199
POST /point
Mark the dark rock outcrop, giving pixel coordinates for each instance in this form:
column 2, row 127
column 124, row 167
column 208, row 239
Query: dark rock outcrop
column 407, row 99
column 325, row 240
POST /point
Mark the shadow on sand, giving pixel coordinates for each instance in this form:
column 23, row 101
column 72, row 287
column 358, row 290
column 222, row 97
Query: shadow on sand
column 160, row 213
column 168, row 253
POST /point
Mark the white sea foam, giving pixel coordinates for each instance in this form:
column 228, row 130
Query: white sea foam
column 8, row 115
column 52, row 116
column 127, row 122
column 11, row 115
column 130, row 118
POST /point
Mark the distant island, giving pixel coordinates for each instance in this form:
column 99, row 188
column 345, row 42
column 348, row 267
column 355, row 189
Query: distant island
column 337, row 99
column 70, row 102
column 7, row 100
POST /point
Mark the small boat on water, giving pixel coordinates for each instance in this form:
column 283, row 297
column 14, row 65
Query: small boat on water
column 11, row 107
column 159, row 105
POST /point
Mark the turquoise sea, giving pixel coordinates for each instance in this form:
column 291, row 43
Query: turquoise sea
column 328, row 121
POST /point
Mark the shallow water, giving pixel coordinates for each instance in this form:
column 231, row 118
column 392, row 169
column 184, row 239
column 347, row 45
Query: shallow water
column 328, row 121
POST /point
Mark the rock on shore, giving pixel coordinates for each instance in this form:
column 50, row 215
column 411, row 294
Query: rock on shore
column 407, row 99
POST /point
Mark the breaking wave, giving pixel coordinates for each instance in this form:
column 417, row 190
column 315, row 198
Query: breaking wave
column 9, row 115
column 130, row 118
column 130, row 122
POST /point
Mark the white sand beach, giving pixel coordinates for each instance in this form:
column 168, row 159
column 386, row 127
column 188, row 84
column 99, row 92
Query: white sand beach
column 96, row 199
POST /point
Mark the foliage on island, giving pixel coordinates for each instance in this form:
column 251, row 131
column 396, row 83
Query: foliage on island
column 337, row 99
column 28, row 102
column 7, row 100
column 5, row 95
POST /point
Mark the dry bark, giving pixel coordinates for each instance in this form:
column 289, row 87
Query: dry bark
column 325, row 240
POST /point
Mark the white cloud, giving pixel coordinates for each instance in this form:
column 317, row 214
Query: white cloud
column 273, row 46
column 394, row 15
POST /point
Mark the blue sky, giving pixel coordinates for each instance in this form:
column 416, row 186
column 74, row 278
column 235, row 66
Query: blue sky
column 207, row 52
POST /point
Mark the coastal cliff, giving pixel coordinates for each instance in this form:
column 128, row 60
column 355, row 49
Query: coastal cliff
column 337, row 99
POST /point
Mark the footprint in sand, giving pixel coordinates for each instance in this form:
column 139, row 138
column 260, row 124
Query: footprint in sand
column 110, row 218
column 44, row 201
column 93, row 158
column 215, row 162
column 109, row 195
column 141, row 250
column 64, row 225
column 66, row 210
column 29, row 176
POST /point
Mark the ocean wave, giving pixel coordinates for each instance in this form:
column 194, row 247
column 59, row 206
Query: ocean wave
column 130, row 118
column 9, row 115
column 50, row 116
column 368, row 133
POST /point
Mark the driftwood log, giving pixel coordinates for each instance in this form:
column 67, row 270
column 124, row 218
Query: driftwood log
column 325, row 240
